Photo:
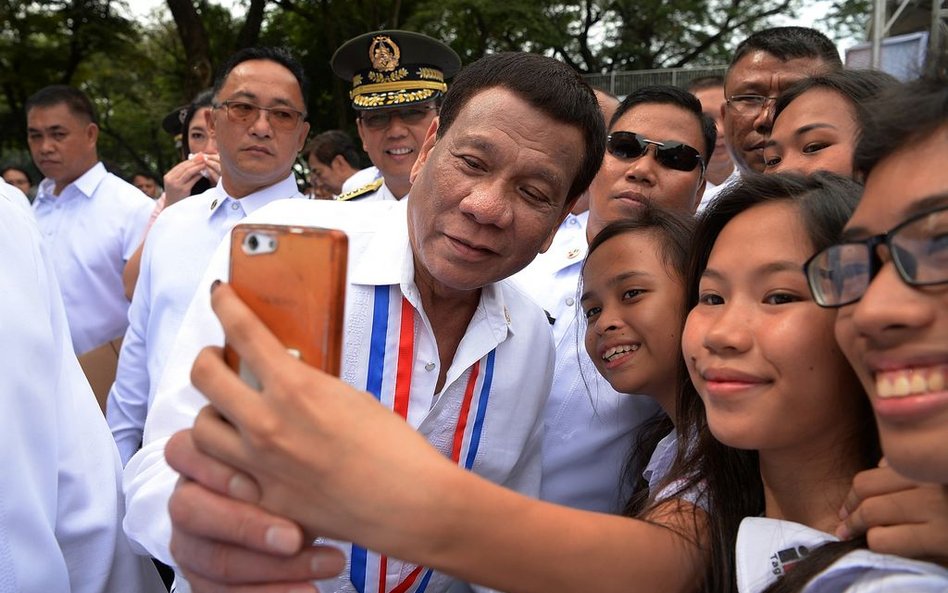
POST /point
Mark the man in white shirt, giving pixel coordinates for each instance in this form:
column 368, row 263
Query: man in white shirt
column 333, row 160
column 61, row 500
column 763, row 66
column 90, row 220
column 431, row 331
column 257, row 156
column 398, row 79
column 589, row 427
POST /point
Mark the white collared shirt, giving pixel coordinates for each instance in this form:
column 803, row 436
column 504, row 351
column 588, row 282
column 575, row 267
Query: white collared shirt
column 90, row 230
column 14, row 195
column 711, row 191
column 588, row 426
column 767, row 548
column 61, row 502
column 380, row 262
column 551, row 278
column 177, row 250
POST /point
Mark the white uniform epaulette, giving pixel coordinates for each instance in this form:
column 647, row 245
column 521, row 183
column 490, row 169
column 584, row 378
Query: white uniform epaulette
column 362, row 191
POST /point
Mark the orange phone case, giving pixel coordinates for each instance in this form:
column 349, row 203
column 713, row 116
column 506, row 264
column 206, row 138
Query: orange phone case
column 294, row 279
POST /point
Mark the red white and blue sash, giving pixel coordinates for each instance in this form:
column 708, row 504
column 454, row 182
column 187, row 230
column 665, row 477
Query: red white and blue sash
column 391, row 360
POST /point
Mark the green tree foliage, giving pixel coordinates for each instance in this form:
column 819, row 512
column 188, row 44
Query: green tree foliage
column 138, row 71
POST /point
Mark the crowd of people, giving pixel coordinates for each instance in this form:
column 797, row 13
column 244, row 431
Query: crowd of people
column 682, row 340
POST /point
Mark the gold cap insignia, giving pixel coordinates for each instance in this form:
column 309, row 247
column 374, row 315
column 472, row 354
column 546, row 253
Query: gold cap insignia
column 384, row 53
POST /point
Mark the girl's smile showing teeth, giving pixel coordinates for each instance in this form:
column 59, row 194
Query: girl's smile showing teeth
column 616, row 352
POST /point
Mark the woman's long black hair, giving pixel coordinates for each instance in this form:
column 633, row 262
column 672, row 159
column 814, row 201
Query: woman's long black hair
column 729, row 479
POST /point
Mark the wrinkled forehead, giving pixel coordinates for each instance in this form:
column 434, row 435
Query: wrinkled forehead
column 760, row 72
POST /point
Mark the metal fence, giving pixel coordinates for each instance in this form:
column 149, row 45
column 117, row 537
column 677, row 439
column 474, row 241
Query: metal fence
column 623, row 83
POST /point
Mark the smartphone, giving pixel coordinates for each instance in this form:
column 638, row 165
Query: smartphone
column 294, row 279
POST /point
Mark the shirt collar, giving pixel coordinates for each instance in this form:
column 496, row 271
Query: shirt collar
column 286, row 188
column 388, row 259
column 767, row 548
column 86, row 184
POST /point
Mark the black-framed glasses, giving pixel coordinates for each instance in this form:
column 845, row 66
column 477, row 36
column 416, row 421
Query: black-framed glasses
column 378, row 119
column 918, row 247
column 748, row 104
column 242, row 112
column 671, row 154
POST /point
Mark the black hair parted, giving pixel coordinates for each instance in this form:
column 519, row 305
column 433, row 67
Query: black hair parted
column 550, row 86
column 856, row 86
column 671, row 95
column 75, row 100
column 280, row 55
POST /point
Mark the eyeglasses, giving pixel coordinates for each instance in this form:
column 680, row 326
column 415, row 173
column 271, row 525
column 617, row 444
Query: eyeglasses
column 748, row 104
column 241, row 112
column 840, row 274
column 674, row 155
column 378, row 119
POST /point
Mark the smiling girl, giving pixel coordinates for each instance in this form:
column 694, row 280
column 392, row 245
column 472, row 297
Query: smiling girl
column 817, row 121
column 780, row 421
column 633, row 300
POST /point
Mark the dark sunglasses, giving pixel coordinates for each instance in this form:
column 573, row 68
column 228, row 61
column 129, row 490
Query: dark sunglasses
column 671, row 154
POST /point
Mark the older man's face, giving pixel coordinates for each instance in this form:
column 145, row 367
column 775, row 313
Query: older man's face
column 747, row 124
column 489, row 194
column 258, row 151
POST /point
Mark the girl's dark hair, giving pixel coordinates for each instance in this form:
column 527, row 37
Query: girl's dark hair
column 901, row 115
column 856, row 86
column 673, row 233
column 815, row 562
column 728, row 478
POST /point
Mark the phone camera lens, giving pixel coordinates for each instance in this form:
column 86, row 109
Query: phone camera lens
column 253, row 242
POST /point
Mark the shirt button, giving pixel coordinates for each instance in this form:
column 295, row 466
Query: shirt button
column 569, row 301
column 572, row 221
column 234, row 206
column 430, row 366
column 214, row 204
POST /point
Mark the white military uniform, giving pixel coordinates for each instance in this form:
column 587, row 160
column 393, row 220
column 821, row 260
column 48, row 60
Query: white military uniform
column 375, row 191
column 488, row 383
column 588, row 426
column 360, row 178
column 767, row 548
column 61, row 503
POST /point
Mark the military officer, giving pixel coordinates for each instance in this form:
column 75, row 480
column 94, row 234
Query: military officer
column 398, row 79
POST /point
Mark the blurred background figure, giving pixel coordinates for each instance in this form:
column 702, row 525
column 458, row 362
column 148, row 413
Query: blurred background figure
column 198, row 171
column 333, row 159
column 19, row 178
column 91, row 220
column 720, row 170
column 147, row 183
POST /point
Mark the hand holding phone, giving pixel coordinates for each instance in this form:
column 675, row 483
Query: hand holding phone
column 294, row 279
